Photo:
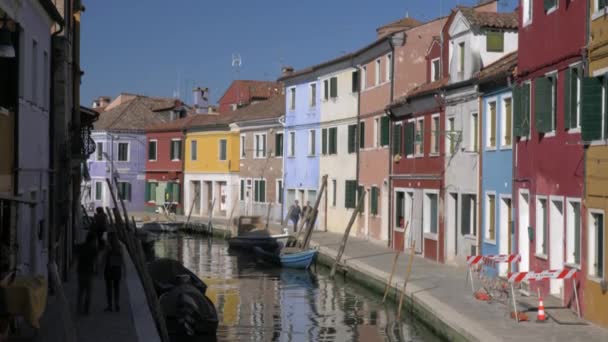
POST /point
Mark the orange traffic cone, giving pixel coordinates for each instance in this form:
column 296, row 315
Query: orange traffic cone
column 541, row 311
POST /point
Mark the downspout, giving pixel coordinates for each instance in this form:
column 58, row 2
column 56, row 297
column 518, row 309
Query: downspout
column 479, row 168
column 390, row 160
column 52, row 115
column 282, row 123
column 358, row 133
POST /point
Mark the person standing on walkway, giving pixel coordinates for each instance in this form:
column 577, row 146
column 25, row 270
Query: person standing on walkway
column 295, row 214
column 113, row 270
column 100, row 226
column 87, row 260
column 304, row 212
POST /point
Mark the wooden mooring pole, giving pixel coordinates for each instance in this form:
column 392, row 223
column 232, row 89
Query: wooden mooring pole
column 347, row 233
column 390, row 278
column 407, row 276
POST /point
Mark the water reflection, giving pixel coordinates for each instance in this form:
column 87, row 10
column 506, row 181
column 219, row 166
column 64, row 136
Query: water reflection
column 258, row 303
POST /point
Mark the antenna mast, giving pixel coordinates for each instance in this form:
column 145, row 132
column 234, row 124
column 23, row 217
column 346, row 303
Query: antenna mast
column 236, row 67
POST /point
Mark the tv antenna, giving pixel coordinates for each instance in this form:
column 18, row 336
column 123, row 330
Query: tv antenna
column 236, row 67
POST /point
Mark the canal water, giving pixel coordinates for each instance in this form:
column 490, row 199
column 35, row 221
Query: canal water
column 258, row 302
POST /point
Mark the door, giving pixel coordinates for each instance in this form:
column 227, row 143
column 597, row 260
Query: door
column 248, row 201
column 504, row 235
column 556, row 244
column 523, row 242
column 451, row 233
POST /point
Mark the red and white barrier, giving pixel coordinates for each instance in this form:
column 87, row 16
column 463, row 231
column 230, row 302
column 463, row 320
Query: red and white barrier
column 500, row 258
column 546, row 274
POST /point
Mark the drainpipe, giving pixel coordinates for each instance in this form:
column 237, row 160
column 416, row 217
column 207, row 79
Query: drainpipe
column 282, row 123
column 358, row 132
column 52, row 117
column 479, row 168
column 396, row 39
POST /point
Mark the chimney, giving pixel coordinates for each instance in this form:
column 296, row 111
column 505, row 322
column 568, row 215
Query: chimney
column 101, row 102
column 201, row 100
column 286, row 71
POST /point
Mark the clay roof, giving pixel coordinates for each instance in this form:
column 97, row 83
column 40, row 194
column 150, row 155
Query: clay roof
column 501, row 68
column 423, row 89
column 505, row 21
column 271, row 108
column 257, row 89
column 135, row 114
column 405, row 23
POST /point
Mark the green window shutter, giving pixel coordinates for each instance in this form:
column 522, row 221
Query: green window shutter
column 350, row 188
column 242, row 190
column 517, row 111
column 542, row 104
column 147, row 193
column 384, row 131
column 324, row 141
column 168, row 192
column 549, row 4
column 409, row 138
column 333, row 140
column 434, row 217
column 568, row 99
column 153, row 192
column 333, row 87
column 374, row 200
column 355, row 80
column 465, row 217
column 262, row 191
column 176, row 192
column 397, row 141
column 591, row 120
column 362, row 134
column 352, row 133
column 526, row 117
column 128, row 191
column 495, row 41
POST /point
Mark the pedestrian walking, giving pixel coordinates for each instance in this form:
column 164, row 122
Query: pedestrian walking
column 87, row 260
column 305, row 211
column 100, row 226
column 113, row 270
column 295, row 214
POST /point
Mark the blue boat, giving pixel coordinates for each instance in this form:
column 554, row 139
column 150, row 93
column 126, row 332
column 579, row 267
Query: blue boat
column 291, row 259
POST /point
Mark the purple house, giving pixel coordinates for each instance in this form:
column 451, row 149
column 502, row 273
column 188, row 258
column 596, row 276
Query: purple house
column 121, row 148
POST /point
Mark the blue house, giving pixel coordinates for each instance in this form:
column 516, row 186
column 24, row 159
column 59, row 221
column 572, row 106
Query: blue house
column 497, row 160
column 302, row 138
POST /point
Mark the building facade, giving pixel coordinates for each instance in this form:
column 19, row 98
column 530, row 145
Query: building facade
column 549, row 158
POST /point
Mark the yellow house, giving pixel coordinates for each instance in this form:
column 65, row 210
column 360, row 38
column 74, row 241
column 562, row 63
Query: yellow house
column 211, row 166
column 595, row 299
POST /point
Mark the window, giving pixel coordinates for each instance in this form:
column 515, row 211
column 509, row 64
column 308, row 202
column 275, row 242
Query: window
column 242, row 190
column 451, row 137
column 355, row 81
column 362, row 134
column 435, row 69
column 260, row 145
column 324, row 141
column 352, row 138
column 419, row 137
column 545, row 93
column 172, row 192
column 123, row 151
column 334, row 196
column 384, row 127
column 313, row 95
column 34, row 61
column 507, row 117
column 193, row 152
column 550, row 5
column 259, row 190
column 474, row 132
column 176, row 149
column 311, row 196
column 278, row 144
column 389, row 67
column 376, row 132
column 461, row 57
column 468, row 215
column 397, row 140
column 124, row 191
column 573, row 232
column 490, row 231
column 99, row 151
column 332, row 147
column 541, row 226
column 326, row 90
column 98, row 191
column 374, row 194
column 292, row 98
column 572, row 98
column 292, row 144
column 333, row 87
column 242, row 152
column 596, row 245
column 410, row 138
column 223, row 144
column 364, row 78
column 312, row 142
column 350, row 194
column 594, row 123
column 399, row 210
column 521, row 117
column 491, row 125
column 436, row 133
column 431, row 213
column 150, row 195
column 279, row 191
column 527, row 11
column 495, row 41
column 377, row 72
column 152, row 144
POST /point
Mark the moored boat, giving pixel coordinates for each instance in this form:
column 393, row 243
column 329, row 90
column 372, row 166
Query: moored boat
column 257, row 238
column 300, row 259
column 188, row 313
column 168, row 273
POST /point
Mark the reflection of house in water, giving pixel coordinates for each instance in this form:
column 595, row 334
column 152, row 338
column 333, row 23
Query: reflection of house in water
column 297, row 306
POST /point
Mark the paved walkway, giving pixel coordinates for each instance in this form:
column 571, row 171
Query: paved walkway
column 441, row 289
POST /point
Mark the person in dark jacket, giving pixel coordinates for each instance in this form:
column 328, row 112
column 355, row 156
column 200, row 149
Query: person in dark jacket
column 87, row 261
column 113, row 270
column 296, row 211
column 100, row 223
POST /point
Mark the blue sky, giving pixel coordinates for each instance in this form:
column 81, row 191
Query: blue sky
column 157, row 47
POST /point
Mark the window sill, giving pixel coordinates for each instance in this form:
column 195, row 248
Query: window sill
column 541, row 256
column 594, row 279
column 175, row 160
column 311, row 155
column 599, row 14
column 551, row 10
column 431, row 236
column 489, row 149
column 506, row 147
column 572, row 265
column 152, row 160
column 491, row 242
column 279, row 157
column 527, row 23
column 400, row 229
column 434, row 155
column 548, row 134
column 574, row 130
column 470, row 237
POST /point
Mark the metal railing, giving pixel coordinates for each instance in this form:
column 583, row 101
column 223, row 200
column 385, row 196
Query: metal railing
column 261, row 209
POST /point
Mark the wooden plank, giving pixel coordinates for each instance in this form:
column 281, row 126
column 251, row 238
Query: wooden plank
column 390, row 278
column 347, row 233
column 191, row 207
column 407, row 276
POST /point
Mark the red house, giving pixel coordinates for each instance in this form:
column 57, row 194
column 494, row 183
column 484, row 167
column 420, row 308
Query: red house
column 548, row 154
column 244, row 92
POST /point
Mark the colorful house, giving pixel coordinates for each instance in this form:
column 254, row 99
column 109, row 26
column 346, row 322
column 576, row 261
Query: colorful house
column 260, row 175
column 302, row 141
column 497, row 161
column 477, row 37
column 548, row 153
column 211, row 166
column 594, row 238
column 121, row 149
